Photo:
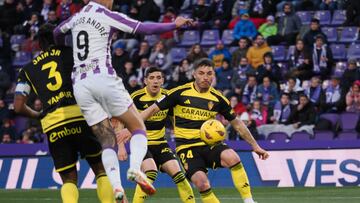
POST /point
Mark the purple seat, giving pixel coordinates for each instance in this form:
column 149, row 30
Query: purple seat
column 279, row 52
column 305, row 16
column 323, row 16
column 340, row 68
column 349, row 34
column 348, row 121
column 20, row 123
column 21, row 58
column 16, row 41
column 190, row 38
column 332, row 117
column 178, row 54
column 210, row 37
column 152, row 39
column 354, row 51
column 324, row 135
column 290, row 52
column 227, row 37
column 331, row 33
column 284, row 68
column 339, row 17
column 300, row 136
column 278, row 137
column 348, row 135
column 339, row 51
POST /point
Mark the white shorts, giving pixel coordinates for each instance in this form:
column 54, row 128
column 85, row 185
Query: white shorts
column 101, row 97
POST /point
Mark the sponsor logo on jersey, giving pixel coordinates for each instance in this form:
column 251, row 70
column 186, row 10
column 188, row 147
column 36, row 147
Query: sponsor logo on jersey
column 54, row 136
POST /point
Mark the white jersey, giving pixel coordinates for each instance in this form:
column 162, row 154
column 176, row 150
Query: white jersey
column 92, row 29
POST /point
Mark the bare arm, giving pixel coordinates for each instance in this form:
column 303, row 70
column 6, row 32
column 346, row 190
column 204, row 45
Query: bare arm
column 151, row 110
column 21, row 107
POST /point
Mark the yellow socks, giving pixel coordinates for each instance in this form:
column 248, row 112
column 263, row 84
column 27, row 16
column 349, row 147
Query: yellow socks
column 69, row 193
column 185, row 191
column 139, row 195
column 104, row 189
column 208, row 196
column 240, row 180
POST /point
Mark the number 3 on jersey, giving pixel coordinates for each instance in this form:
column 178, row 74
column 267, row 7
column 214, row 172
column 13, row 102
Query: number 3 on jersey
column 52, row 65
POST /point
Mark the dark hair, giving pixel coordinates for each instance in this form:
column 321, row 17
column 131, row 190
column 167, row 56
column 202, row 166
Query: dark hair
column 287, row 4
column 285, row 94
column 315, row 20
column 269, row 54
column 46, row 38
column 304, row 95
column 203, row 62
column 153, row 69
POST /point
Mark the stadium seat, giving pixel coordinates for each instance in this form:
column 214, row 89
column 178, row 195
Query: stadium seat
column 178, row 54
column 279, row 52
column 20, row 124
column 152, row 39
column 290, row 52
column 331, row 33
column 340, row 68
column 348, row 121
column 348, row 135
column 305, row 16
column 278, row 137
column 21, row 58
column 338, row 51
column 349, row 34
column 332, row 117
column 16, row 41
column 190, row 38
column 354, row 51
column 323, row 135
column 227, row 37
column 209, row 37
column 339, row 17
column 323, row 16
column 300, row 136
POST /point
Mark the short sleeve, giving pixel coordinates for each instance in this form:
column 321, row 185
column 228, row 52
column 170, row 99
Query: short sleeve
column 23, row 85
column 168, row 101
column 226, row 110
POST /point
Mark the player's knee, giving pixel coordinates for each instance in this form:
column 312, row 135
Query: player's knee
column 229, row 158
column 201, row 182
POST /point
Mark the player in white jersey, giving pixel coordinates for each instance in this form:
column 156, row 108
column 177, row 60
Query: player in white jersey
column 99, row 92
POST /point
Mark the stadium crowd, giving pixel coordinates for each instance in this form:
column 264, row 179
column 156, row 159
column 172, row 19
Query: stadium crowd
column 271, row 90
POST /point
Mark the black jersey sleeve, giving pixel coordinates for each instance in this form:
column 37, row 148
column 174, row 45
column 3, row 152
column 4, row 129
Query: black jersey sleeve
column 226, row 110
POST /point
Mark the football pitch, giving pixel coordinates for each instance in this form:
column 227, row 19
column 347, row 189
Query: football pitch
column 226, row 195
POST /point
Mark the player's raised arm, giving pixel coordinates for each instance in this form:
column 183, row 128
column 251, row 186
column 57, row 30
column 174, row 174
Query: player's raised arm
column 244, row 132
column 61, row 30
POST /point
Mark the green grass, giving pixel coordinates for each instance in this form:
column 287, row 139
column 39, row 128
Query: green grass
column 226, row 195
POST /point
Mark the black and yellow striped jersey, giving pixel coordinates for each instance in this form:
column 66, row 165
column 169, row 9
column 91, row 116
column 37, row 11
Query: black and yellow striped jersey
column 191, row 109
column 49, row 76
column 155, row 125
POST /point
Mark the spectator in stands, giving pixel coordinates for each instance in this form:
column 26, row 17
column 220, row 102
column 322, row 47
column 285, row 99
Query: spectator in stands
column 300, row 61
column 144, row 64
column 315, row 30
column 32, row 122
column 351, row 74
column 5, row 82
column 8, row 128
column 182, row 73
column 8, row 16
column 4, row 111
column 143, row 51
column 269, row 28
column 26, row 137
column 31, row 26
column 328, row 5
column 244, row 28
column 65, row 9
column 201, row 14
column 315, row 92
column 288, row 27
column 353, row 98
column 238, row 6
column 258, row 113
column 170, row 37
column 267, row 92
column 308, row 5
column 220, row 11
column 250, row 89
column 219, row 54
column 259, row 10
column 161, row 57
column 237, row 106
column 322, row 58
column 293, row 88
column 30, row 7
column 31, row 44
column 119, row 57
column 240, row 52
column 133, row 84
column 47, row 6
column 352, row 13
column 269, row 68
column 128, row 72
column 241, row 73
column 255, row 54
column 6, row 139
column 224, row 74
column 51, row 18
column 196, row 52
column 334, row 97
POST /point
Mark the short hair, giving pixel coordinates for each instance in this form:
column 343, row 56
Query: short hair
column 285, row 94
column 303, row 95
column 46, row 37
column 203, row 62
column 153, row 69
column 315, row 20
column 269, row 54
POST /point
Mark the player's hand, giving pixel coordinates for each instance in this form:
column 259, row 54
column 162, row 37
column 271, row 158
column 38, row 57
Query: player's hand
column 122, row 153
column 263, row 154
column 180, row 21
column 123, row 136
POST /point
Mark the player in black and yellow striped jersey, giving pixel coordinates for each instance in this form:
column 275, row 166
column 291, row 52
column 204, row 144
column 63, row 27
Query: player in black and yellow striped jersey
column 193, row 104
column 48, row 75
column 159, row 155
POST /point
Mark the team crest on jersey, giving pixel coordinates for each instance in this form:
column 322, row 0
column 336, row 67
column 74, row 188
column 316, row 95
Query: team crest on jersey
column 210, row 105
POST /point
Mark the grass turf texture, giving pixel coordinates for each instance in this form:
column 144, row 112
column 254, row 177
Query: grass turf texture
column 226, row 195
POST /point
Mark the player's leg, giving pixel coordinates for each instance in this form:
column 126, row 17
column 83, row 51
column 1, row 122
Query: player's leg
column 150, row 169
column 173, row 169
column 201, row 181
column 69, row 190
column 230, row 159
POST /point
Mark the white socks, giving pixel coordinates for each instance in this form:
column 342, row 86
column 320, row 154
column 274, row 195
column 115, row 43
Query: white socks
column 138, row 149
column 249, row 200
column 112, row 168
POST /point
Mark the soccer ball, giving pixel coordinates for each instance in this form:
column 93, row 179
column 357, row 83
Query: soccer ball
column 212, row 132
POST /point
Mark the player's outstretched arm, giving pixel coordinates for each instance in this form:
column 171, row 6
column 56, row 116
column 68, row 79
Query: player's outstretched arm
column 158, row 28
column 21, row 107
column 151, row 110
column 244, row 132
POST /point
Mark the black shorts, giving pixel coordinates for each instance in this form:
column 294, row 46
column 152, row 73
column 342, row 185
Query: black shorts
column 200, row 158
column 160, row 153
column 68, row 141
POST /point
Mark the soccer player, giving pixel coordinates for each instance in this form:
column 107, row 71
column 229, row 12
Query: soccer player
column 159, row 155
column 48, row 75
column 193, row 104
column 99, row 92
